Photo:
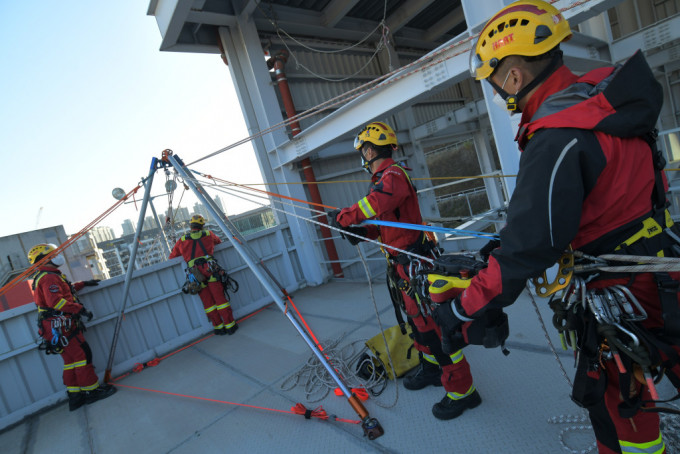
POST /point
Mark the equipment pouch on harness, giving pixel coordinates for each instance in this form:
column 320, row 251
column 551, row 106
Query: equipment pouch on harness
column 452, row 274
column 220, row 274
column 196, row 273
column 191, row 285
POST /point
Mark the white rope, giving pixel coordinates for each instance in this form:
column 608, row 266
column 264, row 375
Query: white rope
column 222, row 188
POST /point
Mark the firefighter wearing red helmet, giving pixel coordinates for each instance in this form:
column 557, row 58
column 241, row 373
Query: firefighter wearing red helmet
column 590, row 179
column 392, row 197
column 197, row 249
column 61, row 327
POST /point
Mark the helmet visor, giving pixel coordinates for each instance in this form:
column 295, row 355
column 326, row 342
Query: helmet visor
column 479, row 68
column 358, row 143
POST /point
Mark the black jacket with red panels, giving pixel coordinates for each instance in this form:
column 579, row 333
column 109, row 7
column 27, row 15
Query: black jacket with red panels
column 585, row 175
column 391, row 197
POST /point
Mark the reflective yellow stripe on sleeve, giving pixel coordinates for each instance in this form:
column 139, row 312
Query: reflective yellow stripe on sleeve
column 366, row 208
column 62, row 302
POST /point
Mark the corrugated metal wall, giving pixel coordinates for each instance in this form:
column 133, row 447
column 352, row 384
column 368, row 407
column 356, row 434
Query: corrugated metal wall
column 158, row 319
column 341, row 175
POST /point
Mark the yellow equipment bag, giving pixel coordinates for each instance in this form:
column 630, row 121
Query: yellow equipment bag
column 404, row 355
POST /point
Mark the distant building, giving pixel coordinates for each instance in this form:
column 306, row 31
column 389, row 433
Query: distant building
column 218, row 201
column 102, row 234
column 150, row 223
column 86, row 248
column 84, row 260
column 129, row 227
column 180, row 214
column 254, row 220
column 149, row 251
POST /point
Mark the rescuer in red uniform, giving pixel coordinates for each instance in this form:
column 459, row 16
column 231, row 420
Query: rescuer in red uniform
column 197, row 248
column 392, row 197
column 590, row 178
column 60, row 325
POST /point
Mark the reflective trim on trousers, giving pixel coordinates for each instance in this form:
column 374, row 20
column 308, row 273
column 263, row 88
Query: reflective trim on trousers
column 457, row 356
column 456, row 396
column 91, row 387
column 210, row 309
column 73, row 389
column 220, row 326
column 223, row 306
column 430, row 359
column 230, row 325
column 651, row 447
column 74, row 365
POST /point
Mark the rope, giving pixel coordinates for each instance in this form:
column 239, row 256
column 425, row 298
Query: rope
column 295, row 410
column 562, row 419
column 34, row 268
column 343, row 232
column 317, row 382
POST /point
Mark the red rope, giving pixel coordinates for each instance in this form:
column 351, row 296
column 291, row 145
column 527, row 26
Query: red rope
column 138, row 367
column 33, row 268
column 298, row 409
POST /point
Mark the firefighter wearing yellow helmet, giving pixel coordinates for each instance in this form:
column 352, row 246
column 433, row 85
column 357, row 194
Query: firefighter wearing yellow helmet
column 207, row 277
column 392, row 197
column 61, row 328
column 589, row 179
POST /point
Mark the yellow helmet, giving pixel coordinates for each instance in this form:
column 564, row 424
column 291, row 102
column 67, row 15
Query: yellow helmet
column 377, row 133
column 197, row 219
column 39, row 251
column 527, row 27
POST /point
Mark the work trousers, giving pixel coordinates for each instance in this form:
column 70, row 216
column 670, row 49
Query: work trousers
column 78, row 372
column 456, row 377
column 215, row 302
column 640, row 433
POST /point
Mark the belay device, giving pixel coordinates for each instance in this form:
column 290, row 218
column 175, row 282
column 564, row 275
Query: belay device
column 451, row 275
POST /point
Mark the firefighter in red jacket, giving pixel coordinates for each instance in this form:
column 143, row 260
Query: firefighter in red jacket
column 392, row 197
column 60, row 326
column 589, row 178
column 197, row 248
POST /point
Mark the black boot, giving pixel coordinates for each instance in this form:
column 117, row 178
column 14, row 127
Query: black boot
column 75, row 400
column 99, row 393
column 220, row 331
column 425, row 374
column 232, row 330
column 448, row 408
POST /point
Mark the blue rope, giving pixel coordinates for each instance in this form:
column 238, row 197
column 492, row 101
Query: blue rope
column 430, row 228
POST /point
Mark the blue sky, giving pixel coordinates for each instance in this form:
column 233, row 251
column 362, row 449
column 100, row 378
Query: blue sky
column 88, row 100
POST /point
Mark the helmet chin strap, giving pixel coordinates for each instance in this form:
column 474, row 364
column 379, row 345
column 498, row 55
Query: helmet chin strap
column 512, row 101
column 367, row 163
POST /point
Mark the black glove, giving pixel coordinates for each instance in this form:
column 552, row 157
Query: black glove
column 91, row 283
column 85, row 313
column 333, row 222
column 488, row 247
column 361, row 231
column 450, row 325
column 333, row 219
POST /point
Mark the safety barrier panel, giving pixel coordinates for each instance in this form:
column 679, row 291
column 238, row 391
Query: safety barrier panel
column 159, row 318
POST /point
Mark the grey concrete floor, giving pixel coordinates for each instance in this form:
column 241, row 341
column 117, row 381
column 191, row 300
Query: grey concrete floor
column 525, row 395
